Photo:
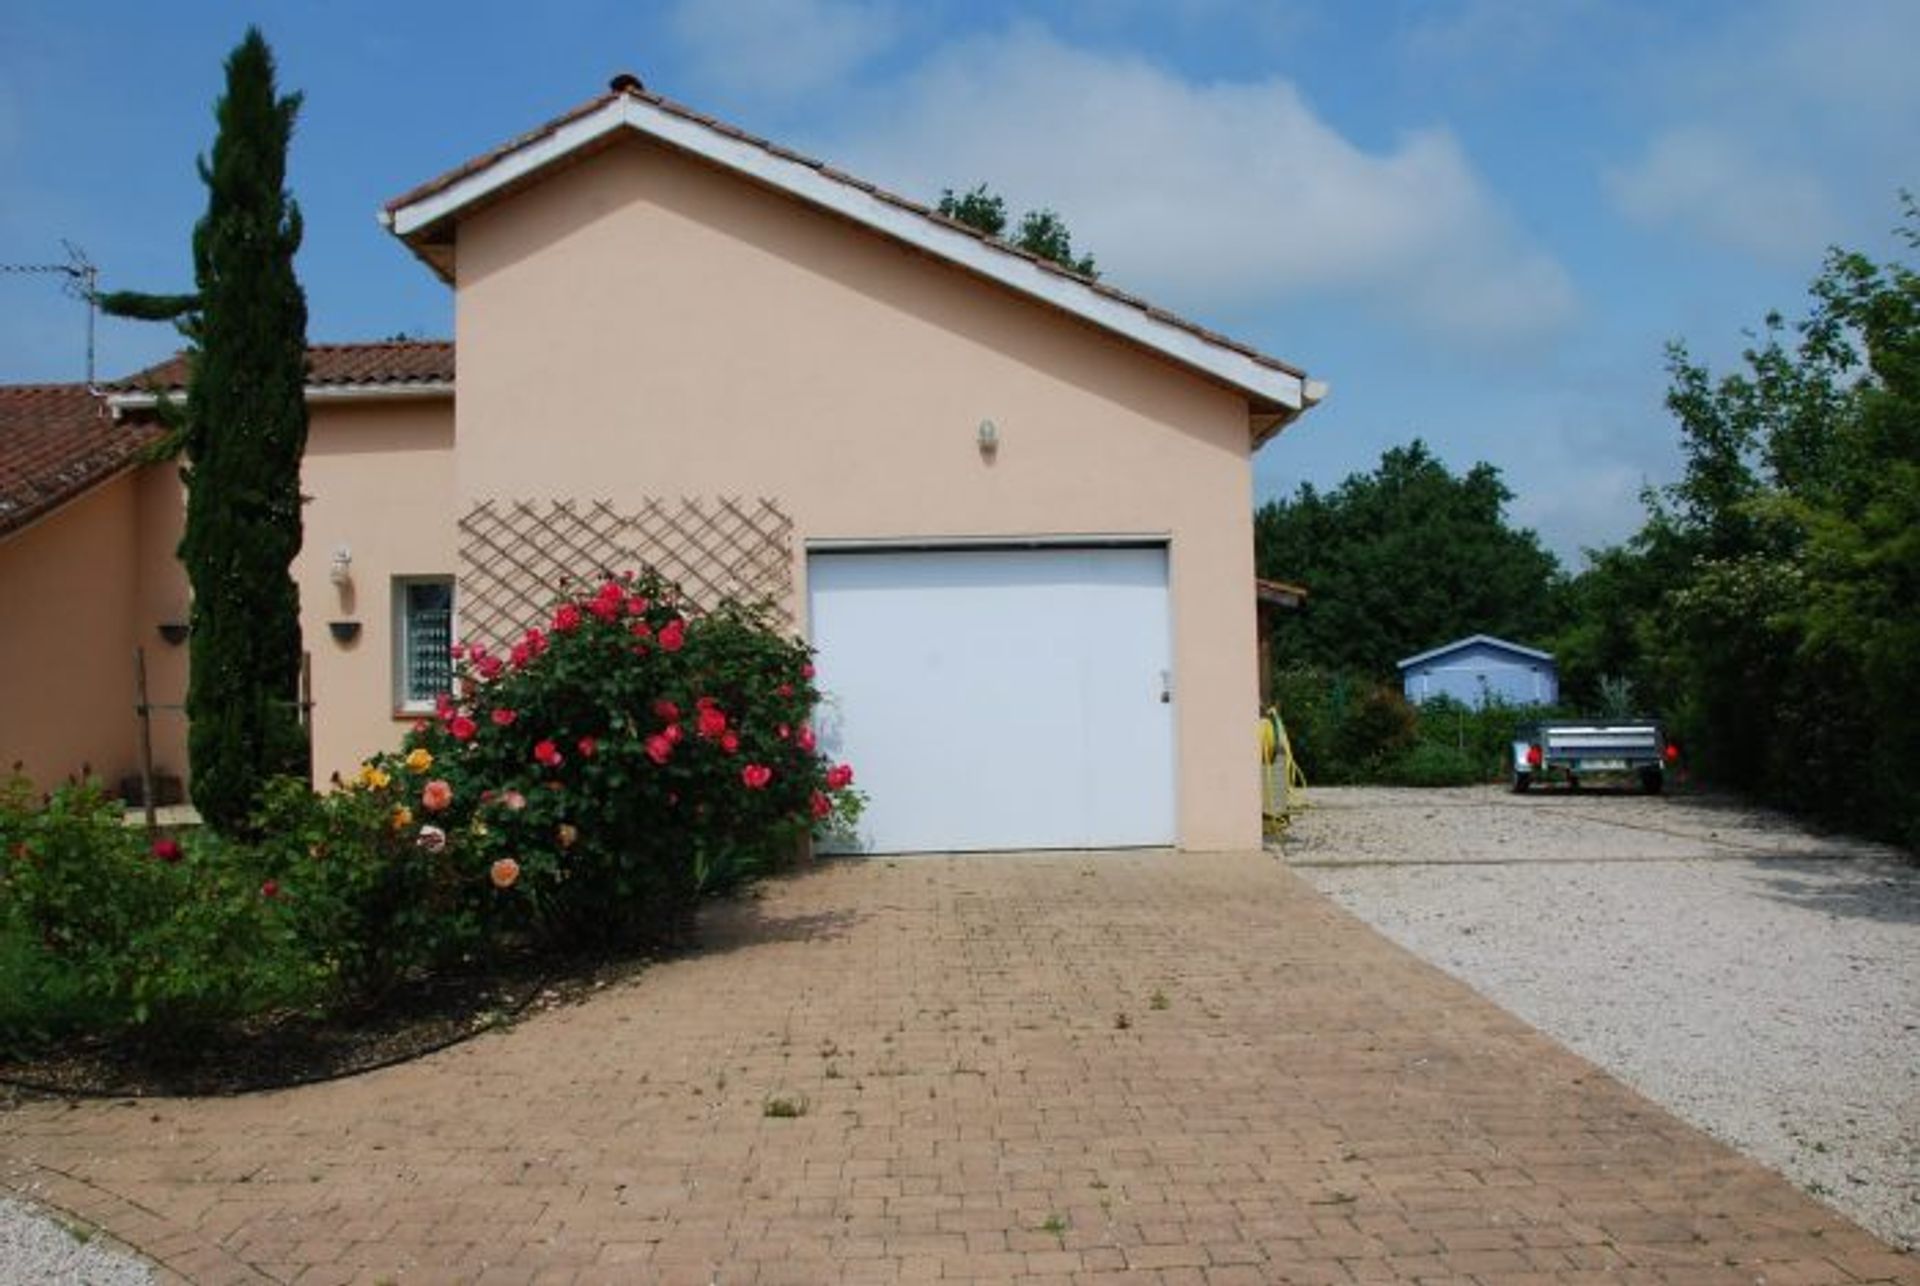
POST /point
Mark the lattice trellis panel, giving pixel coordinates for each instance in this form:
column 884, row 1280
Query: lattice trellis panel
column 518, row 556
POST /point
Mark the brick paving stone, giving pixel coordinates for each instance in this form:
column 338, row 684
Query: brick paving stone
column 1311, row 1104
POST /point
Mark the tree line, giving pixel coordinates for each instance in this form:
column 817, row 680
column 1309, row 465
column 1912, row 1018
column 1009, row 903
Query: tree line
column 1765, row 608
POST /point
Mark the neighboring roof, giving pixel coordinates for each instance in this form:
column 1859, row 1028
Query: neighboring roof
column 425, row 219
column 1469, row 641
column 56, row 441
column 388, row 364
column 1278, row 593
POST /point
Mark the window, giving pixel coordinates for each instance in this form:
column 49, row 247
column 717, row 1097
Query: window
column 422, row 641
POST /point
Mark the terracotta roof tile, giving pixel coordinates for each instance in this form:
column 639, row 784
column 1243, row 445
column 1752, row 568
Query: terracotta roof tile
column 57, row 440
column 631, row 89
column 397, row 362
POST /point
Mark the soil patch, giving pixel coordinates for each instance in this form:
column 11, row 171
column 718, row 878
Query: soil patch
column 276, row 1051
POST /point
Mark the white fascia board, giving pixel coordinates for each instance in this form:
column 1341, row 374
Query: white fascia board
column 809, row 184
column 922, row 544
column 118, row 402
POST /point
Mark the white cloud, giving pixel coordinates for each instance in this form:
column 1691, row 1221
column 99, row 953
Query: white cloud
column 778, row 47
column 1713, row 184
column 1215, row 196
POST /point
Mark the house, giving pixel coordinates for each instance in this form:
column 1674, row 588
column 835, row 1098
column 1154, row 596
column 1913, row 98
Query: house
column 1481, row 669
column 1010, row 507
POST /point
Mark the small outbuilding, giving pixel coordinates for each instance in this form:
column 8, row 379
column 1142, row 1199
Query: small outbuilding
column 1481, row 669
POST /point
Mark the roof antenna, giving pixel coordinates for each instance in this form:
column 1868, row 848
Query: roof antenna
column 83, row 283
column 625, row 82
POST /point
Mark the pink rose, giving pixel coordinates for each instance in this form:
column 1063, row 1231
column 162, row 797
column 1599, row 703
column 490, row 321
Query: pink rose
column 586, row 746
column 270, row 889
column 514, row 801
column 672, row 733
column 547, row 754
column 167, row 850
column 840, row 776
column 636, row 605
column 783, row 732
column 435, row 796
column 756, row 776
column 729, row 743
column 462, row 728
column 567, row 619
column 488, row 667
column 503, row 717
column 659, row 748
column 640, row 630
column 710, row 723
column 784, row 690
column 806, row 671
column 672, row 636
column 805, row 739
column 666, row 711
column 821, row 806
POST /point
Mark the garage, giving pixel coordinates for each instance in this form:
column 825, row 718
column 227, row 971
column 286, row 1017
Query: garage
column 995, row 697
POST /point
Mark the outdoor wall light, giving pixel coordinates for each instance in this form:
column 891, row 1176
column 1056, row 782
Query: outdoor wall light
column 988, row 437
column 174, row 632
column 341, row 572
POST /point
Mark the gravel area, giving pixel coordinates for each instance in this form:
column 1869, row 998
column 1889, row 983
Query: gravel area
column 1759, row 980
column 38, row 1250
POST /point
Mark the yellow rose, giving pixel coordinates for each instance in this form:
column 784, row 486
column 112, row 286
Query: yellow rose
column 402, row 818
column 372, row 777
column 419, row 760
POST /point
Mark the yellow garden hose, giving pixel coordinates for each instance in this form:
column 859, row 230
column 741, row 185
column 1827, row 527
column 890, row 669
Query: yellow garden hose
column 1283, row 787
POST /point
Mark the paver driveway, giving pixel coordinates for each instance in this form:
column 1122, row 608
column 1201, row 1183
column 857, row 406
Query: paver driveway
column 1143, row 1068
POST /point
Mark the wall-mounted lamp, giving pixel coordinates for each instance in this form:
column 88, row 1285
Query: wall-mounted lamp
column 341, row 572
column 988, row 436
column 174, row 632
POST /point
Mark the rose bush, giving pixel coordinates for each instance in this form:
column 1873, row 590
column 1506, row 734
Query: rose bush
column 617, row 763
column 103, row 928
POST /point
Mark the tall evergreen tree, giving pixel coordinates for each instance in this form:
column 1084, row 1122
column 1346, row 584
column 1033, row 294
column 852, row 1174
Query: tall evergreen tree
column 245, row 429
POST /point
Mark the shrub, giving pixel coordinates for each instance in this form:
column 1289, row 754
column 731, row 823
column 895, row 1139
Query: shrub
column 1428, row 764
column 109, row 929
column 372, row 896
column 613, row 766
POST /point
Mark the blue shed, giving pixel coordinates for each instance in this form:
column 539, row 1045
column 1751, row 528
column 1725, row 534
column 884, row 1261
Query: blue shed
column 1479, row 669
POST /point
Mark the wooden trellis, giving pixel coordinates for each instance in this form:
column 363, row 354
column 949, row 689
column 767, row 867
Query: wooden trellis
column 518, row 556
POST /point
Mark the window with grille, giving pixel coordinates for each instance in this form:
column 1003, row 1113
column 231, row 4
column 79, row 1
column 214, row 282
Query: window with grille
column 423, row 640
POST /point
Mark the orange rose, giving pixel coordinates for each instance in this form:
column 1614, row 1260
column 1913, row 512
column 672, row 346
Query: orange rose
column 505, row 872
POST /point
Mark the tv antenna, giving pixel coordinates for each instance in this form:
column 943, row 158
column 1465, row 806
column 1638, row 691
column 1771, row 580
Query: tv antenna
column 83, row 283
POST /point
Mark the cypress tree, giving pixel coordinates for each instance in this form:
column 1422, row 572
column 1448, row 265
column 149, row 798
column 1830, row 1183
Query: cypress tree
column 246, row 428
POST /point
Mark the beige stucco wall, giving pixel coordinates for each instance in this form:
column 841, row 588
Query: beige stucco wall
column 66, row 638
column 88, row 583
column 380, row 475
column 642, row 324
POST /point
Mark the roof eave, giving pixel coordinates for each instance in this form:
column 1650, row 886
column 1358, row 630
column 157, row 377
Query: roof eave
column 423, row 218
column 320, row 394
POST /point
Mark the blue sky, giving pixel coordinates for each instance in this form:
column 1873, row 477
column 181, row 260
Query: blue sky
column 1478, row 220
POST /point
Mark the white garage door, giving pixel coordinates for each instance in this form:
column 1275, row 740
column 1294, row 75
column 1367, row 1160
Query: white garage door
column 999, row 698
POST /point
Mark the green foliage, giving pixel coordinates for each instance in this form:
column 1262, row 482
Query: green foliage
column 1400, row 560
column 1349, row 730
column 1767, row 606
column 1040, row 232
column 979, row 208
column 244, row 430
column 371, row 901
column 101, row 929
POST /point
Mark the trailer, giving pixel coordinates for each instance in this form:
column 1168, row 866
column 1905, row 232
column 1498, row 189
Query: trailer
column 1569, row 750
